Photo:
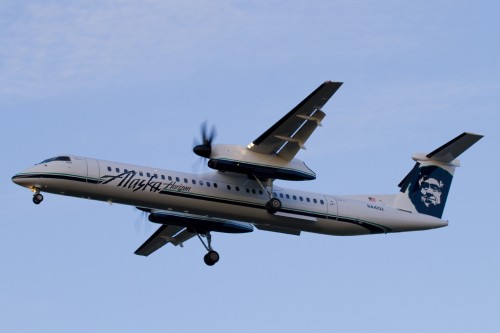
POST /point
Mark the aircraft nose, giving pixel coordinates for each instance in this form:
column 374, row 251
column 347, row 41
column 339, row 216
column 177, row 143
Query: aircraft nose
column 16, row 179
column 22, row 179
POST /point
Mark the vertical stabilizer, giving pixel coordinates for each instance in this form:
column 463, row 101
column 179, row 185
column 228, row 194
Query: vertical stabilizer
column 426, row 187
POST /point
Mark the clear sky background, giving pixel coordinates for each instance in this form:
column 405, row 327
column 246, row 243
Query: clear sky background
column 131, row 81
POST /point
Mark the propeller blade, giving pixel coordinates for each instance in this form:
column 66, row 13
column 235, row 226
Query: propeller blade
column 205, row 148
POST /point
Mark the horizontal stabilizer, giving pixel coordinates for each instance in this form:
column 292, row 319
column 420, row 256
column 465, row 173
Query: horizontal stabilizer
column 451, row 150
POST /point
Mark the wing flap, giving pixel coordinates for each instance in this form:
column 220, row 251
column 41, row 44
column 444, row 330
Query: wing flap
column 164, row 235
column 292, row 145
column 278, row 229
column 288, row 135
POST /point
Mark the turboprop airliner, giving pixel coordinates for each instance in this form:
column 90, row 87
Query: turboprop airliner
column 240, row 194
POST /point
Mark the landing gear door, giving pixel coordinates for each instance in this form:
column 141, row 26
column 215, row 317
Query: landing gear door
column 333, row 208
column 92, row 170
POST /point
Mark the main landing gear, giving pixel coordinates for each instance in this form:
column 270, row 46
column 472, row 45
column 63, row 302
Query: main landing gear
column 37, row 197
column 212, row 257
column 274, row 204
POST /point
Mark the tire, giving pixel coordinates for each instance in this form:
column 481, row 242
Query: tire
column 37, row 198
column 273, row 205
column 211, row 258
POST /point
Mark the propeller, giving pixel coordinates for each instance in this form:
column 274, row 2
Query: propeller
column 205, row 148
column 142, row 222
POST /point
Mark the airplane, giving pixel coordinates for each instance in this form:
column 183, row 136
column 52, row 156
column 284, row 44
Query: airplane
column 240, row 194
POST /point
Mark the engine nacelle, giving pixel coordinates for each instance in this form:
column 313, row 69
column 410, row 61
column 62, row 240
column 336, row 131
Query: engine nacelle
column 239, row 159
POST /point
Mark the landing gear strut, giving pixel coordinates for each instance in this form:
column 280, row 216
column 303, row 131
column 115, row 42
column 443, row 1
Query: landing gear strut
column 212, row 257
column 274, row 204
column 37, row 197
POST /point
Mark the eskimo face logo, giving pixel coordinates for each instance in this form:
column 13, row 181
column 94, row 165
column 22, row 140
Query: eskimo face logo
column 429, row 189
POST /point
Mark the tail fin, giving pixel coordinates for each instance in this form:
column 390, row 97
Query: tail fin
column 426, row 187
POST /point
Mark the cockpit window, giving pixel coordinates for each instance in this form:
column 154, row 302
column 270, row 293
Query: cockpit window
column 58, row 158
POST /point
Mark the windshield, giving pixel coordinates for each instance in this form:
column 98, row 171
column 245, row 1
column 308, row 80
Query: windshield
column 58, row 158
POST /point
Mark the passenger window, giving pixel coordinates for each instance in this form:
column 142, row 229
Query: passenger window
column 169, row 177
column 260, row 192
column 315, row 201
column 294, row 197
column 163, row 177
column 185, row 180
column 287, row 196
column 322, row 202
column 301, row 199
column 117, row 169
column 201, row 182
column 193, row 181
column 281, row 195
column 253, row 191
column 141, row 174
column 248, row 190
column 237, row 188
column 215, row 185
column 109, row 168
column 208, row 184
column 308, row 200
column 229, row 187
column 148, row 174
column 177, row 179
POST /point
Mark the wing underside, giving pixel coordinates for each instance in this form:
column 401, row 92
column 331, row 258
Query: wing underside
column 176, row 228
column 164, row 235
column 286, row 137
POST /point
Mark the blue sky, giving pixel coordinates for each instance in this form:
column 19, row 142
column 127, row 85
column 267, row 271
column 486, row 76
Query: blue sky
column 132, row 82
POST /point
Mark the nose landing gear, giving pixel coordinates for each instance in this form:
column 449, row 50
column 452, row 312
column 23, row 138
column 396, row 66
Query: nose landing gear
column 37, row 197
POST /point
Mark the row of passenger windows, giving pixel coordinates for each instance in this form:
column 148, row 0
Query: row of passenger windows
column 236, row 188
column 281, row 195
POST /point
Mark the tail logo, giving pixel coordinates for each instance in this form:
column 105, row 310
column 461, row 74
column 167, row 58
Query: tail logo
column 429, row 189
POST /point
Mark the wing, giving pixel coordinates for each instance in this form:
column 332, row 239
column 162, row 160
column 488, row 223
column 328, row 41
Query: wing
column 288, row 135
column 179, row 227
column 164, row 235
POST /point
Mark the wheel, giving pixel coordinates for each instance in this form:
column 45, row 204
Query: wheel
column 211, row 258
column 273, row 205
column 37, row 198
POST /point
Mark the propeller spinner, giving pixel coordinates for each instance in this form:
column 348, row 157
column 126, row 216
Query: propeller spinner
column 205, row 149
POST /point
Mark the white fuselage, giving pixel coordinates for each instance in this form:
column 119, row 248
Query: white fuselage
column 227, row 196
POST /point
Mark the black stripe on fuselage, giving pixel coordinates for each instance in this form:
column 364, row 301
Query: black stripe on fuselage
column 370, row 227
column 373, row 229
column 81, row 179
